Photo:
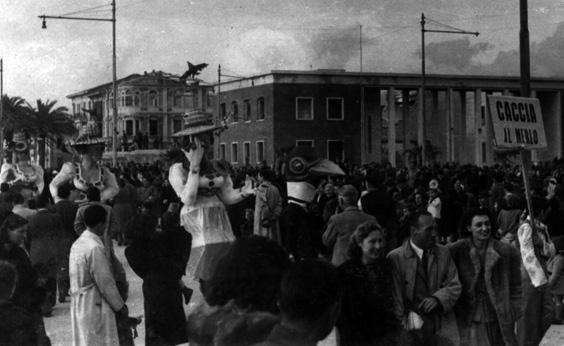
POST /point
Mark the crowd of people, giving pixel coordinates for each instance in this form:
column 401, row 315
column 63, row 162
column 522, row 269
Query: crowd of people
column 442, row 255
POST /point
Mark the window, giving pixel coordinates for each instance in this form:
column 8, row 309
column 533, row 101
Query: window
column 176, row 125
column 153, row 98
column 304, row 143
column 260, row 108
column 247, row 152
column 177, row 99
column 247, row 114
column 484, row 157
column 136, row 99
column 223, row 151
column 335, row 150
column 234, row 150
column 222, row 113
column 122, row 99
column 235, row 111
column 128, row 99
column 260, row 151
column 335, row 108
column 129, row 127
column 304, row 108
column 74, row 109
column 153, row 127
column 144, row 101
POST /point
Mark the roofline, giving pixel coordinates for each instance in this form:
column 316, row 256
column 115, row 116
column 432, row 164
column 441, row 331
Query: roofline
column 93, row 89
column 332, row 72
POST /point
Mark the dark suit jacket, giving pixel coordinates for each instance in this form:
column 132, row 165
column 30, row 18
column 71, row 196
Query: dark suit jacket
column 300, row 232
column 503, row 283
column 67, row 211
column 340, row 227
column 45, row 232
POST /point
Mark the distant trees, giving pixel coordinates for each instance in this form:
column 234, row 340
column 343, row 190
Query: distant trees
column 45, row 122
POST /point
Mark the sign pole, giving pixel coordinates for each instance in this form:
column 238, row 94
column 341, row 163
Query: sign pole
column 525, row 162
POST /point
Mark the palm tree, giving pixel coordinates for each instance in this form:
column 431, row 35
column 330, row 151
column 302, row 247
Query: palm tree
column 16, row 115
column 50, row 123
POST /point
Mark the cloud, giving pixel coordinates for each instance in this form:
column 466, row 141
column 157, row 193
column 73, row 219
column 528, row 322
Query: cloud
column 453, row 56
column 335, row 48
column 261, row 50
column 460, row 56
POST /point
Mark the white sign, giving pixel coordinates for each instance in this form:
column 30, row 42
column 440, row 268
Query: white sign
column 517, row 122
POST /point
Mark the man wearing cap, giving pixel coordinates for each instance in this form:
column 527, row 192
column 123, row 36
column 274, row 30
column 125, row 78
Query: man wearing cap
column 341, row 226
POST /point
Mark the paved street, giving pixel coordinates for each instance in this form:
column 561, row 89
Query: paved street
column 58, row 326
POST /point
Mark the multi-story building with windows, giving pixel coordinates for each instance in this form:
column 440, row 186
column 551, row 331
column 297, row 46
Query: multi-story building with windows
column 364, row 117
column 151, row 104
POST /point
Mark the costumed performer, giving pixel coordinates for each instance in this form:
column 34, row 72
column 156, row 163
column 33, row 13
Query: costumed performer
column 205, row 187
column 301, row 232
column 23, row 175
column 88, row 172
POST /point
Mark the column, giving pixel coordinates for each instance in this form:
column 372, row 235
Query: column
column 420, row 119
column 460, row 131
column 406, row 118
column 450, row 125
column 478, row 127
column 391, row 126
column 165, row 138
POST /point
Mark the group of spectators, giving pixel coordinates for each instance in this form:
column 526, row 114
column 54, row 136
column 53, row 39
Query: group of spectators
column 388, row 256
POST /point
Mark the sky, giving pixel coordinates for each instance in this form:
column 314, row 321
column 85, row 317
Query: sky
column 249, row 37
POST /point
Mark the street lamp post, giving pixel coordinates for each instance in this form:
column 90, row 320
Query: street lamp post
column 421, row 134
column 114, row 68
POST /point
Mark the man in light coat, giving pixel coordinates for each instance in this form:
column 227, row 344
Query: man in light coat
column 94, row 295
column 268, row 207
column 425, row 286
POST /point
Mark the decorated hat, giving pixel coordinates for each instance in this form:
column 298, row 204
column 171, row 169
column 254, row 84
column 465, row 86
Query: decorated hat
column 20, row 142
column 197, row 122
column 88, row 134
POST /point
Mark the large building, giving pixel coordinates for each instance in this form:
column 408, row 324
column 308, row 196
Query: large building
column 346, row 116
column 152, row 103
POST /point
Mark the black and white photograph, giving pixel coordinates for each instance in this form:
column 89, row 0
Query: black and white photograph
column 280, row 173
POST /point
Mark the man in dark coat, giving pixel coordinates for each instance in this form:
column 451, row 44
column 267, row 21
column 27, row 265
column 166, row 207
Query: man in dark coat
column 379, row 203
column 341, row 226
column 490, row 302
column 160, row 258
column 66, row 210
column 45, row 232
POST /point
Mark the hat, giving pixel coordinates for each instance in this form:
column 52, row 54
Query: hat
column 20, row 142
column 197, row 122
column 88, row 134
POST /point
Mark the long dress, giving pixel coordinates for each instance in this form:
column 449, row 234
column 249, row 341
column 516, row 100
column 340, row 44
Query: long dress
column 94, row 295
column 208, row 223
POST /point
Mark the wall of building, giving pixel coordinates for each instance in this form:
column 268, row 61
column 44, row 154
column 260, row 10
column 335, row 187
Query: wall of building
column 252, row 131
column 321, row 130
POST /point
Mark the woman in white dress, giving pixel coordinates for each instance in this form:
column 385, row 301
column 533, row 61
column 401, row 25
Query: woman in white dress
column 25, row 176
column 205, row 187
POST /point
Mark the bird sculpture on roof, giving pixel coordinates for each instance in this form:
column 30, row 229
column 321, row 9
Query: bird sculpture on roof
column 193, row 70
